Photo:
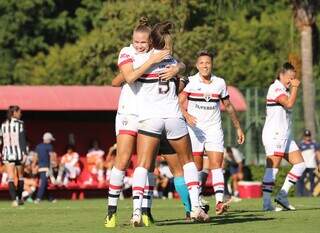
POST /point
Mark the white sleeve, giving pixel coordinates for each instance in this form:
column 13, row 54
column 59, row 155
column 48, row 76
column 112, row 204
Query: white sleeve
column 125, row 56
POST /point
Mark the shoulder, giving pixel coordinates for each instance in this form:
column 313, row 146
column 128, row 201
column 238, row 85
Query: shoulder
column 126, row 52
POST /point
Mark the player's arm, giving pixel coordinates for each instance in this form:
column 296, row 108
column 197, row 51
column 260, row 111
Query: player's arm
column 183, row 81
column 131, row 75
column 318, row 158
column 172, row 71
column 288, row 102
column 234, row 118
column 118, row 80
column 191, row 120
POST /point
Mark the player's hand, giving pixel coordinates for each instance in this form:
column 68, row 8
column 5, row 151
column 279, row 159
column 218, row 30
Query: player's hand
column 295, row 82
column 159, row 56
column 170, row 72
column 191, row 120
column 240, row 135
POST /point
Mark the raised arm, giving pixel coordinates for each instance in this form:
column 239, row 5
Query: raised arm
column 234, row 118
column 288, row 102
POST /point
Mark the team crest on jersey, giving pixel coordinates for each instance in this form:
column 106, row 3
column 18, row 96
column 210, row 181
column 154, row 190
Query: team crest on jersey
column 207, row 96
column 125, row 121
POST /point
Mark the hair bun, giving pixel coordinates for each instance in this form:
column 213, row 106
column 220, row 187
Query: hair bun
column 165, row 27
column 143, row 21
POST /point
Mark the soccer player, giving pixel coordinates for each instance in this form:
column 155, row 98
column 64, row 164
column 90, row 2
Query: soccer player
column 133, row 62
column 204, row 93
column 13, row 152
column 158, row 110
column 277, row 138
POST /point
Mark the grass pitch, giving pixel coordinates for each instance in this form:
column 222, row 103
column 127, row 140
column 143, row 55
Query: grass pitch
column 88, row 216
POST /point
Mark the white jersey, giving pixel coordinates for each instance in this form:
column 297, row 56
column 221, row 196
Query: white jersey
column 157, row 98
column 204, row 100
column 278, row 119
column 127, row 101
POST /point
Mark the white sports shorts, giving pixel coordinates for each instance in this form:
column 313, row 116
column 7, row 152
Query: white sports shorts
column 279, row 147
column 174, row 128
column 208, row 140
column 126, row 124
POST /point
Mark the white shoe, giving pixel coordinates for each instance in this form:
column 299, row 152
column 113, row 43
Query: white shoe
column 14, row 204
column 136, row 218
column 282, row 200
column 198, row 214
column 267, row 205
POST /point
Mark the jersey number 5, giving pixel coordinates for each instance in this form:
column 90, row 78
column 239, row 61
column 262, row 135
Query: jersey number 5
column 163, row 86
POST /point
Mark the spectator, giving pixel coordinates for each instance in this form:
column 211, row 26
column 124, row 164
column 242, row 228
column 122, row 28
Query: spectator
column 233, row 160
column 30, row 175
column 95, row 161
column 311, row 155
column 69, row 167
column 44, row 152
column 3, row 173
column 165, row 185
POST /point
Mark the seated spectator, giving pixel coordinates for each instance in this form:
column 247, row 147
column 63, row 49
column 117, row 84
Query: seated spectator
column 69, row 168
column 233, row 164
column 54, row 167
column 3, row 173
column 109, row 161
column 164, row 181
column 30, row 175
column 95, row 161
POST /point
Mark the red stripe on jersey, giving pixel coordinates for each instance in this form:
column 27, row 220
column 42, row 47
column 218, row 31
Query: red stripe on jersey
column 128, row 132
column 201, row 95
column 137, row 188
column 148, row 188
column 151, row 75
column 278, row 154
column 197, row 153
column 115, row 187
column 195, row 183
column 125, row 62
column 185, row 93
column 216, row 184
column 293, row 175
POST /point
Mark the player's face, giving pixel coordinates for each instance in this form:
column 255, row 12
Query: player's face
column 204, row 66
column 141, row 41
column 287, row 77
column 17, row 114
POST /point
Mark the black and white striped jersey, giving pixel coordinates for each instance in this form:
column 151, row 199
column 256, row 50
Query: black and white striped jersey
column 14, row 140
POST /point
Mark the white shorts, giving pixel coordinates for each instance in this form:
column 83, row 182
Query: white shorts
column 279, row 147
column 174, row 127
column 126, row 124
column 211, row 140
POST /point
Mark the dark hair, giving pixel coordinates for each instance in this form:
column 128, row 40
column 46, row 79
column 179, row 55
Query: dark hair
column 70, row 147
column 158, row 34
column 12, row 109
column 205, row 53
column 285, row 67
column 143, row 25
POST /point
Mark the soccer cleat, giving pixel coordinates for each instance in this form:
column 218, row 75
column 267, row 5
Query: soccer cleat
column 282, row 200
column 267, row 205
column 221, row 208
column 146, row 220
column 198, row 214
column 111, row 221
column 204, row 204
column 20, row 202
column 14, row 204
column 188, row 217
column 136, row 218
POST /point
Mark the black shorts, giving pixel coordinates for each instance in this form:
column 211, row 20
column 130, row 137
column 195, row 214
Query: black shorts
column 15, row 162
column 165, row 148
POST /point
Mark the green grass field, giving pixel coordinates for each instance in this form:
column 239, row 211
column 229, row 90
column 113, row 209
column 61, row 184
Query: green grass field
column 88, row 216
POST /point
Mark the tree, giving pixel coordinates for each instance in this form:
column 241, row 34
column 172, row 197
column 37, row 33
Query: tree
column 304, row 15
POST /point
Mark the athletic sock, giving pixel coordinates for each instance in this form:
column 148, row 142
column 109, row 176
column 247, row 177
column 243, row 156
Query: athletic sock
column 182, row 190
column 12, row 190
column 20, row 188
column 115, row 186
column 192, row 180
column 148, row 193
column 218, row 184
column 139, row 181
column 292, row 177
column 268, row 182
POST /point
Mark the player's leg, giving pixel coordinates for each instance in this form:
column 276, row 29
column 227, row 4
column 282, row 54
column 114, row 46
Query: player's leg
column 126, row 143
column 178, row 137
column 295, row 158
column 179, row 183
column 10, row 168
column 147, row 146
column 19, row 168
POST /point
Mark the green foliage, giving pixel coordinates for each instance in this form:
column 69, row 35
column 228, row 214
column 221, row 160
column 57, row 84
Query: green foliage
column 78, row 41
